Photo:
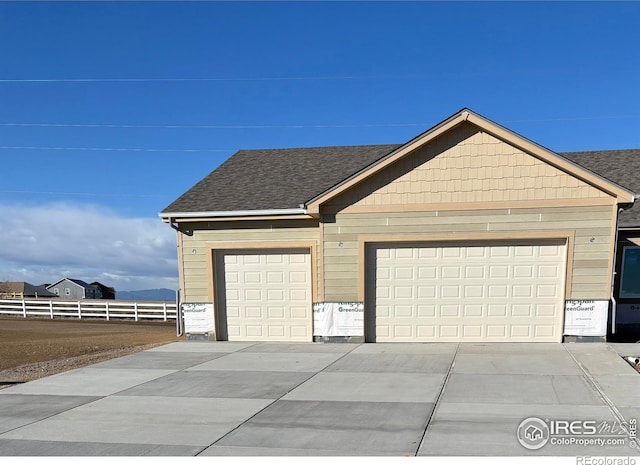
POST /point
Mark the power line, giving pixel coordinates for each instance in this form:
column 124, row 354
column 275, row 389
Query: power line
column 89, row 194
column 210, row 126
column 218, row 79
column 577, row 118
column 284, row 126
column 427, row 75
column 112, row 149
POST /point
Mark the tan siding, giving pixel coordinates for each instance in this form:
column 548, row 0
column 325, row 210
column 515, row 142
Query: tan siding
column 198, row 287
column 589, row 278
column 466, row 165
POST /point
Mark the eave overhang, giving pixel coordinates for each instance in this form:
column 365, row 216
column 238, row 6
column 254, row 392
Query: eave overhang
column 284, row 213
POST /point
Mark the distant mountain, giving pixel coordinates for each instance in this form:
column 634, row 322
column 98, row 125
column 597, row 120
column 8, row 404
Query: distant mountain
column 167, row 295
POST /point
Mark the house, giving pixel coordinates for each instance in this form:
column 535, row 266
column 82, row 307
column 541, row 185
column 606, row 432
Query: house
column 467, row 232
column 104, row 292
column 68, row 288
column 622, row 167
column 22, row 289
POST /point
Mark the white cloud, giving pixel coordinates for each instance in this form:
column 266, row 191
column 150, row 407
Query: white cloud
column 45, row 243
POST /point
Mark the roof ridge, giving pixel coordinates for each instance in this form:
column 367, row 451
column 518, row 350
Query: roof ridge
column 312, row 147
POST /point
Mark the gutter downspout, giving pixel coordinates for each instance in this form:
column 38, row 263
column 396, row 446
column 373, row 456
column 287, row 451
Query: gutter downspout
column 614, row 303
column 179, row 322
column 179, row 319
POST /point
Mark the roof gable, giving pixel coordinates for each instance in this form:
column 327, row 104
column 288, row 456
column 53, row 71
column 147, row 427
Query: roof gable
column 465, row 166
column 299, row 181
column 465, row 116
column 76, row 282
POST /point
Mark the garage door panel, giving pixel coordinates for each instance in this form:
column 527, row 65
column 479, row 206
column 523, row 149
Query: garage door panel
column 275, row 313
column 521, row 310
column 451, row 252
column 499, row 251
column 253, row 312
column 523, row 271
column 267, row 295
column 546, row 310
column 300, row 332
column 233, row 312
column 547, row 271
column 450, row 331
column 251, row 276
column 426, row 331
column 474, row 272
column 473, row 310
column 473, row 291
column 471, row 331
column 544, row 331
column 496, row 332
column 475, row 252
column 495, row 310
column 450, row 272
column 275, row 277
column 498, row 271
column 476, row 293
column 254, row 330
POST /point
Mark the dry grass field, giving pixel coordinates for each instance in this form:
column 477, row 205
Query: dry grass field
column 32, row 348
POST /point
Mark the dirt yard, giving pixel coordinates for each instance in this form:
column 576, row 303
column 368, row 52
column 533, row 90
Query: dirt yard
column 32, row 348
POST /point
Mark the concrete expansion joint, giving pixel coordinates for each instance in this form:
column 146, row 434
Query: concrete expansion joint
column 436, row 403
column 275, row 400
column 46, row 417
column 594, row 384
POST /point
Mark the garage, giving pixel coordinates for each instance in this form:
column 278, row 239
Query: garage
column 264, row 295
column 510, row 292
column 466, row 232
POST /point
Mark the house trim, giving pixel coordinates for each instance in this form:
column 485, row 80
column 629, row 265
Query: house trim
column 622, row 195
column 200, row 216
column 505, row 204
column 213, row 247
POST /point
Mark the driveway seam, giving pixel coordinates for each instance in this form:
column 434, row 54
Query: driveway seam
column 95, row 399
column 436, row 403
column 276, row 400
column 614, row 410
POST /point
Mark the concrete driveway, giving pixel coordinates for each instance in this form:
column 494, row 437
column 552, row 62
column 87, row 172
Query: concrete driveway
column 263, row 399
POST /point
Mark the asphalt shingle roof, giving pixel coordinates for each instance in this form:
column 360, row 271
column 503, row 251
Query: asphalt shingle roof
column 619, row 166
column 26, row 288
column 273, row 179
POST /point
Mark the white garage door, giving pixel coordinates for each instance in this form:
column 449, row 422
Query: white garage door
column 467, row 293
column 267, row 296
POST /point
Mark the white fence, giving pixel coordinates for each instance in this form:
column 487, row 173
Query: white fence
column 109, row 309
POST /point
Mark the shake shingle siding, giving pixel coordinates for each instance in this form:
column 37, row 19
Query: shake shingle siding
column 273, row 179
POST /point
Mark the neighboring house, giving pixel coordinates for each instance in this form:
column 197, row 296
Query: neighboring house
column 468, row 232
column 68, row 288
column 105, row 292
column 21, row 289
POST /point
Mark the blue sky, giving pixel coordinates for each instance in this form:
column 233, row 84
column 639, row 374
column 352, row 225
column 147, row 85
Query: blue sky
column 173, row 89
